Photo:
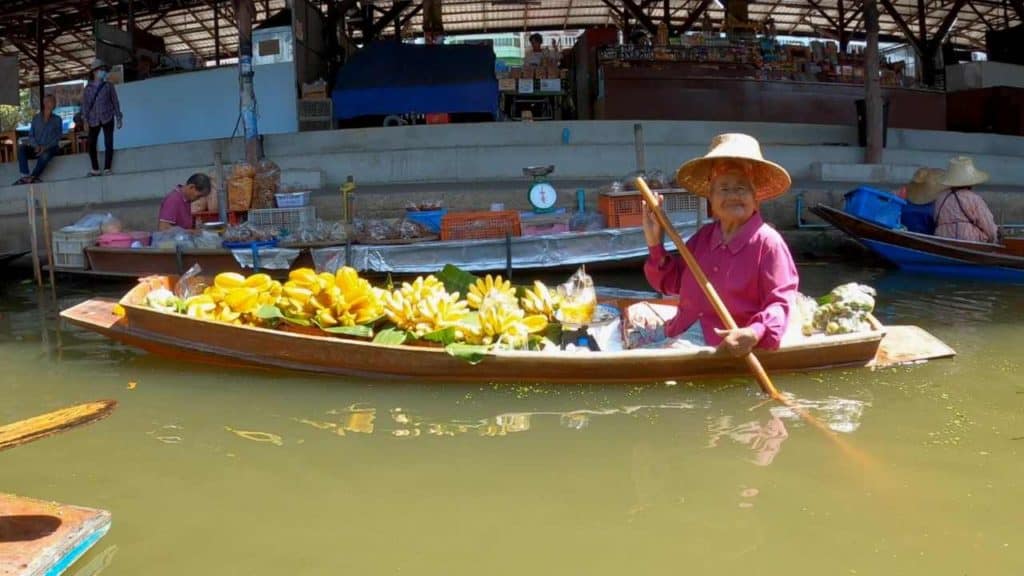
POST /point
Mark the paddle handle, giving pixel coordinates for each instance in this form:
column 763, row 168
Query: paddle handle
column 702, row 280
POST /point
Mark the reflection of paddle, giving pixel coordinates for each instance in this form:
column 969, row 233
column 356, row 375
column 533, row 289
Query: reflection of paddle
column 37, row 427
column 691, row 263
column 723, row 313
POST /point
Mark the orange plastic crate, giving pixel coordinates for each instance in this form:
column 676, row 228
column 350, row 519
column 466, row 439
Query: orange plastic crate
column 480, row 225
column 625, row 211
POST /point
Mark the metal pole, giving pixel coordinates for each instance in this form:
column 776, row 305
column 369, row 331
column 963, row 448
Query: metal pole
column 638, row 144
column 222, row 188
column 244, row 14
column 872, row 86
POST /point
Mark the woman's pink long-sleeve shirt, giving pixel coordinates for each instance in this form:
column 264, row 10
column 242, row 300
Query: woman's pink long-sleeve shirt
column 753, row 273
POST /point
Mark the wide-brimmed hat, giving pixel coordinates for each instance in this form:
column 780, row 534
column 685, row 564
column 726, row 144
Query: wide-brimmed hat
column 963, row 174
column 97, row 64
column 769, row 179
column 926, row 185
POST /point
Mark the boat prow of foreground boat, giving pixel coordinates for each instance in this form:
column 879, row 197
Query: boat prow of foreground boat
column 931, row 254
column 181, row 337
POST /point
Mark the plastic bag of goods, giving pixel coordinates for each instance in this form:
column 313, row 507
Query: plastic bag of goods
column 266, row 183
column 93, row 220
column 171, row 238
column 578, row 298
column 240, row 186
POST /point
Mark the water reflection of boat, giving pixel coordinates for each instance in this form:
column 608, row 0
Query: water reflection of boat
column 181, row 337
column 932, row 254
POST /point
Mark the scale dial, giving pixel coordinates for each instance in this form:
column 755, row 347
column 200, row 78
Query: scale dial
column 543, row 196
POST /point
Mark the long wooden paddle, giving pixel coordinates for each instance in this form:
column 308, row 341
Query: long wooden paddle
column 24, row 431
column 705, row 285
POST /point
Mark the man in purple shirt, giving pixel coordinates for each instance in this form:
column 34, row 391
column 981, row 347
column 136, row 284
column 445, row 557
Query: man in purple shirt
column 176, row 209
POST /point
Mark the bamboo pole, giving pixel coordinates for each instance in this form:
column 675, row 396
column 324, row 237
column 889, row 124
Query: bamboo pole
column 48, row 238
column 37, row 427
column 36, row 266
column 638, row 145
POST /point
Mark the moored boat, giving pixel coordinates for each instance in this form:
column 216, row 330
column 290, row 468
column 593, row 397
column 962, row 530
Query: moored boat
column 180, row 337
column 40, row 538
column 931, row 254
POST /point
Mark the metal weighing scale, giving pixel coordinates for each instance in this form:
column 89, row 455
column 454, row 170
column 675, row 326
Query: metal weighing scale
column 542, row 195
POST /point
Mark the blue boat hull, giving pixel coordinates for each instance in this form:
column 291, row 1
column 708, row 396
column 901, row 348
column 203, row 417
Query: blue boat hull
column 922, row 262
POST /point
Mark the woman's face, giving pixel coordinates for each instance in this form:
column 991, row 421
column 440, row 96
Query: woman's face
column 732, row 197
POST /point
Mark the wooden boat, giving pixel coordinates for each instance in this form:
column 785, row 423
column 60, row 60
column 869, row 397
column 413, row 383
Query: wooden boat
column 182, row 338
column 8, row 257
column 932, row 254
column 44, row 538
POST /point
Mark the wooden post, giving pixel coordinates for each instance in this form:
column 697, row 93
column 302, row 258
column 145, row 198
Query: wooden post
column 40, row 57
column 244, row 13
column 872, row 86
column 222, row 188
column 48, row 241
column 216, row 32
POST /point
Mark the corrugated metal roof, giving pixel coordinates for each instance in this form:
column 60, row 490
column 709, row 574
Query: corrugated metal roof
column 188, row 25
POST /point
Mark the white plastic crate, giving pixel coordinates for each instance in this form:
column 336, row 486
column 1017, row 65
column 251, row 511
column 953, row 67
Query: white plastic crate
column 69, row 247
column 296, row 199
column 290, row 219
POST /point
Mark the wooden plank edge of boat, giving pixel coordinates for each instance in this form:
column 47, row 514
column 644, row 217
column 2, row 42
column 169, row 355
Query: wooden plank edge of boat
column 164, row 334
column 45, row 538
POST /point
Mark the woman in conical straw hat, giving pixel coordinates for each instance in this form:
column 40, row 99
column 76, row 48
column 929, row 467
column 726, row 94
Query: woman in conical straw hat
column 959, row 212
column 746, row 260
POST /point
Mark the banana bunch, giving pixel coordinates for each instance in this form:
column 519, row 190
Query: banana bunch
column 233, row 298
column 424, row 306
column 504, row 325
column 340, row 299
column 540, row 300
column 490, row 290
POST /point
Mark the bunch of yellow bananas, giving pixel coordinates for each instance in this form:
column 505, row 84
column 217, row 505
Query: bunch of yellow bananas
column 540, row 300
column 424, row 306
column 504, row 325
column 234, row 298
column 488, row 290
column 340, row 299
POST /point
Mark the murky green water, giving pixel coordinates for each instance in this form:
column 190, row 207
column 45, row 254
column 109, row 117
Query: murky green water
column 399, row 478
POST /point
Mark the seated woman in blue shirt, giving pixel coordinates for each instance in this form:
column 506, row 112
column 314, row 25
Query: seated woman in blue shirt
column 920, row 194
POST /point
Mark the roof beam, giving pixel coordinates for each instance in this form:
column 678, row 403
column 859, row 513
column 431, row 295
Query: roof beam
column 980, row 16
column 895, row 15
column 641, row 16
column 388, row 17
column 691, row 18
column 947, row 22
column 821, row 11
column 1018, row 7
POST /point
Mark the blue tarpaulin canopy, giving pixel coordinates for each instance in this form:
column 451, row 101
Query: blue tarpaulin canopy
column 392, row 78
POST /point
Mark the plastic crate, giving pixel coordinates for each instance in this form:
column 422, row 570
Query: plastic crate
column 290, row 219
column 69, row 247
column 875, row 206
column 292, row 199
column 431, row 219
column 626, row 210
column 540, row 224
column 480, row 225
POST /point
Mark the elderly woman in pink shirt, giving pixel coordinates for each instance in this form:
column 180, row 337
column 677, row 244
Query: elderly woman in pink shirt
column 746, row 260
column 960, row 212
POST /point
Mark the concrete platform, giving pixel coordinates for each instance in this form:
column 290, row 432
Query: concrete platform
column 472, row 166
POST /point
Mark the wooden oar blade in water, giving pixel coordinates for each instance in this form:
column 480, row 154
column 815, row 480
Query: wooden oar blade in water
column 24, row 431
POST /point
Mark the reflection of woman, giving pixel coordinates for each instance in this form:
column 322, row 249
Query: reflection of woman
column 746, row 260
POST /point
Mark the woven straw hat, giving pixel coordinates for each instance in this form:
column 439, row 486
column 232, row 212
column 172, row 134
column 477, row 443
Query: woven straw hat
column 769, row 179
column 963, row 174
column 926, row 185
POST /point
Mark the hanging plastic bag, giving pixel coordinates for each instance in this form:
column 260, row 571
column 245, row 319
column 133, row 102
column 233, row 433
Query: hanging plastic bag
column 240, row 187
column 266, row 183
column 191, row 283
column 578, row 298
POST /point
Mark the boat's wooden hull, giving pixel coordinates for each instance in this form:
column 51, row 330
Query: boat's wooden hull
column 183, row 338
column 136, row 263
column 44, row 538
column 930, row 254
